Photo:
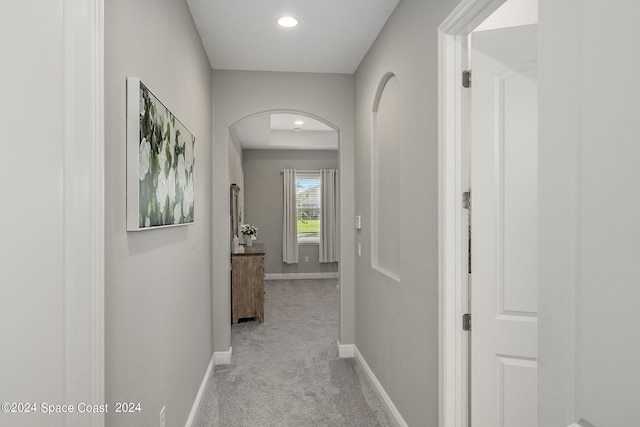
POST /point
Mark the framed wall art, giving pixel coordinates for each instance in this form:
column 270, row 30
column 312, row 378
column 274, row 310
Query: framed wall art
column 160, row 163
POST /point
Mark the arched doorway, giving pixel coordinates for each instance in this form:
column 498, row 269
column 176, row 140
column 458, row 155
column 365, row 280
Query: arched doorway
column 309, row 143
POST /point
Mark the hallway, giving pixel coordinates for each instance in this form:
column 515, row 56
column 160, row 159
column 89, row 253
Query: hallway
column 93, row 313
column 286, row 371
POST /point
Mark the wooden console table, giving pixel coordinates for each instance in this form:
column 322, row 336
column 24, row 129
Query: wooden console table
column 247, row 283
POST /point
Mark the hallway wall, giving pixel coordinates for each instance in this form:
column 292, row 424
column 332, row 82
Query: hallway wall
column 397, row 323
column 158, row 282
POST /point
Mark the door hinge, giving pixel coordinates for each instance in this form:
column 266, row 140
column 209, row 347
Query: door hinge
column 466, row 200
column 466, row 78
column 466, row 322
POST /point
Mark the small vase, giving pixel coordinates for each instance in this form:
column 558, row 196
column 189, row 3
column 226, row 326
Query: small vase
column 248, row 240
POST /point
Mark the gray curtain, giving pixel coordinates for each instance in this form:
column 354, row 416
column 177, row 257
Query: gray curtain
column 329, row 247
column 289, row 218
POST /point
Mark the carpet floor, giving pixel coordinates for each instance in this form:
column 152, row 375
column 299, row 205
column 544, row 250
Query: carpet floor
column 286, row 372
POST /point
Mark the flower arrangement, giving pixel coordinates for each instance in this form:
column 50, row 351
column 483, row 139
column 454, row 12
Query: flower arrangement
column 249, row 230
column 250, row 233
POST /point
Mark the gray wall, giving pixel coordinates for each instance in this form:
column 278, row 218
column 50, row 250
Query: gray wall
column 263, row 203
column 158, row 282
column 397, row 323
column 239, row 94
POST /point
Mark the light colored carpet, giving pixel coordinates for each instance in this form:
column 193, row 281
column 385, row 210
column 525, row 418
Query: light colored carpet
column 286, row 372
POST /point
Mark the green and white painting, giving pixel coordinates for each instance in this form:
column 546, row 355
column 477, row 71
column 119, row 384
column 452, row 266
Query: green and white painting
column 160, row 163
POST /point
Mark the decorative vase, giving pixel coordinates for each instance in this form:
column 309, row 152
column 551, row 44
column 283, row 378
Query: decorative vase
column 248, row 240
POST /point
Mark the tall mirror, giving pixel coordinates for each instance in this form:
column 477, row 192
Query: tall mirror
column 235, row 211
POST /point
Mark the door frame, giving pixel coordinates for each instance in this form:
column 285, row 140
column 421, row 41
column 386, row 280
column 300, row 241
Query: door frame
column 453, row 165
column 84, row 209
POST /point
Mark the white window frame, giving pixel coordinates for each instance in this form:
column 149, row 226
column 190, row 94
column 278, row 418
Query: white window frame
column 311, row 174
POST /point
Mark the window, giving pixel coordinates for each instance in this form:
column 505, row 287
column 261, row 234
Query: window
column 308, row 206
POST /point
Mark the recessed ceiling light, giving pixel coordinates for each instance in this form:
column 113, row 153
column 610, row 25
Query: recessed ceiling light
column 298, row 122
column 287, row 21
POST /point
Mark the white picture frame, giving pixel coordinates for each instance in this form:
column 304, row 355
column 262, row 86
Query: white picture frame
column 160, row 163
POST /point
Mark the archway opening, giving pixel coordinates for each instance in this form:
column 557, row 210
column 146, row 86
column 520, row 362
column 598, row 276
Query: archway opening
column 261, row 146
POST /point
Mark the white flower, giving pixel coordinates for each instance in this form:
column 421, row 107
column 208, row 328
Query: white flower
column 177, row 213
column 171, row 185
column 143, row 158
column 187, row 201
column 162, row 157
column 180, row 170
column 162, row 191
column 249, row 230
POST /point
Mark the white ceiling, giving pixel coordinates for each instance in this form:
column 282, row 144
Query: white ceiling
column 332, row 36
column 276, row 131
column 512, row 13
column 285, row 121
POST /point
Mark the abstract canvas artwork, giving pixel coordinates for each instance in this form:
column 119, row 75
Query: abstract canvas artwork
column 160, row 163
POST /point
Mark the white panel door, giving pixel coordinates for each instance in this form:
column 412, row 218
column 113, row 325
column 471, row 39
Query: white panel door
column 504, row 277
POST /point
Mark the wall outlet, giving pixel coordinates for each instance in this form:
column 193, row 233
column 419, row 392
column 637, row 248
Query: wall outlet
column 162, row 417
column 306, row 259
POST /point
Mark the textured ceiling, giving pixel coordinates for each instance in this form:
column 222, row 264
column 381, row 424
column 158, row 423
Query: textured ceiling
column 332, row 36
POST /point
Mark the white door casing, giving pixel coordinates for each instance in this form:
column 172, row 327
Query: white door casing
column 52, row 276
column 504, row 280
column 452, row 221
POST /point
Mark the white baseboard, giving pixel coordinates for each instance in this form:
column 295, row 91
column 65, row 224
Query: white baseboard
column 299, row 276
column 345, row 351
column 222, row 357
column 203, row 387
column 393, row 412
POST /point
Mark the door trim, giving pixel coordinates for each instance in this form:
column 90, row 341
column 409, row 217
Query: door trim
column 84, row 206
column 452, row 224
